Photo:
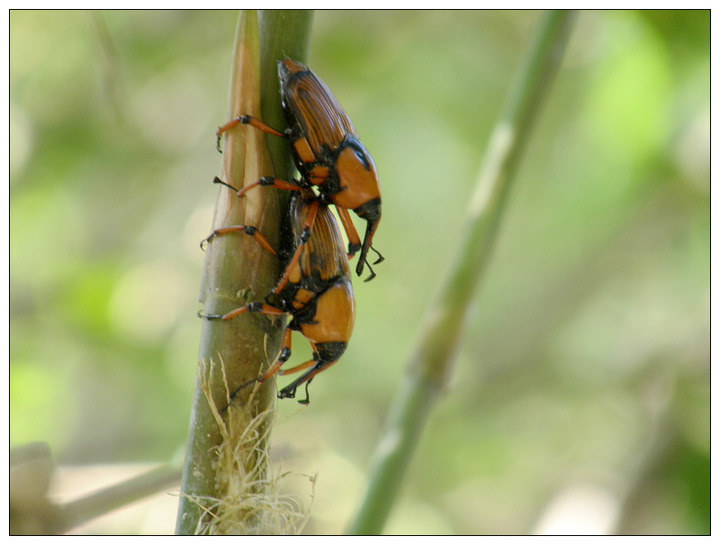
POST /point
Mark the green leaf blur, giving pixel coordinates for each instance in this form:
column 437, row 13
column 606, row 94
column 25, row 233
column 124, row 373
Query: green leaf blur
column 585, row 365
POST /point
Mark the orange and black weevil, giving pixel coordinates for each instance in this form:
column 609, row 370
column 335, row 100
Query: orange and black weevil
column 327, row 152
column 315, row 288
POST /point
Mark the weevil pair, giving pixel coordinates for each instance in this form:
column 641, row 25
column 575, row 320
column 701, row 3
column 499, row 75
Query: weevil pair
column 315, row 288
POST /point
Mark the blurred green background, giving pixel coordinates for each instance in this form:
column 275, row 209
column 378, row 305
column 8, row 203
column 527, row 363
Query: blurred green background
column 581, row 392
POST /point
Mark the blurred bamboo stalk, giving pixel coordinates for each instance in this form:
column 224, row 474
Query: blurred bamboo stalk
column 108, row 499
column 430, row 366
column 236, row 269
column 34, row 512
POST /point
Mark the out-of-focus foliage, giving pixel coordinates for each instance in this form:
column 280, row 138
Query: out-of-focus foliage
column 583, row 378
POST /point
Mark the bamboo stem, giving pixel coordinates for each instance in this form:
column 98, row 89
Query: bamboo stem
column 236, row 269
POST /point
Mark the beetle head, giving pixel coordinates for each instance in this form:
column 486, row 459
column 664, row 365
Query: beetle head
column 359, row 189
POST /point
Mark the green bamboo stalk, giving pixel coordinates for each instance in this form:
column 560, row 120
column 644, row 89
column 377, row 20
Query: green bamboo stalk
column 430, row 366
column 236, row 269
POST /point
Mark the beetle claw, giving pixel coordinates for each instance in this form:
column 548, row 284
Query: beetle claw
column 209, row 316
column 306, row 401
column 372, row 273
column 380, row 258
column 232, row 396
